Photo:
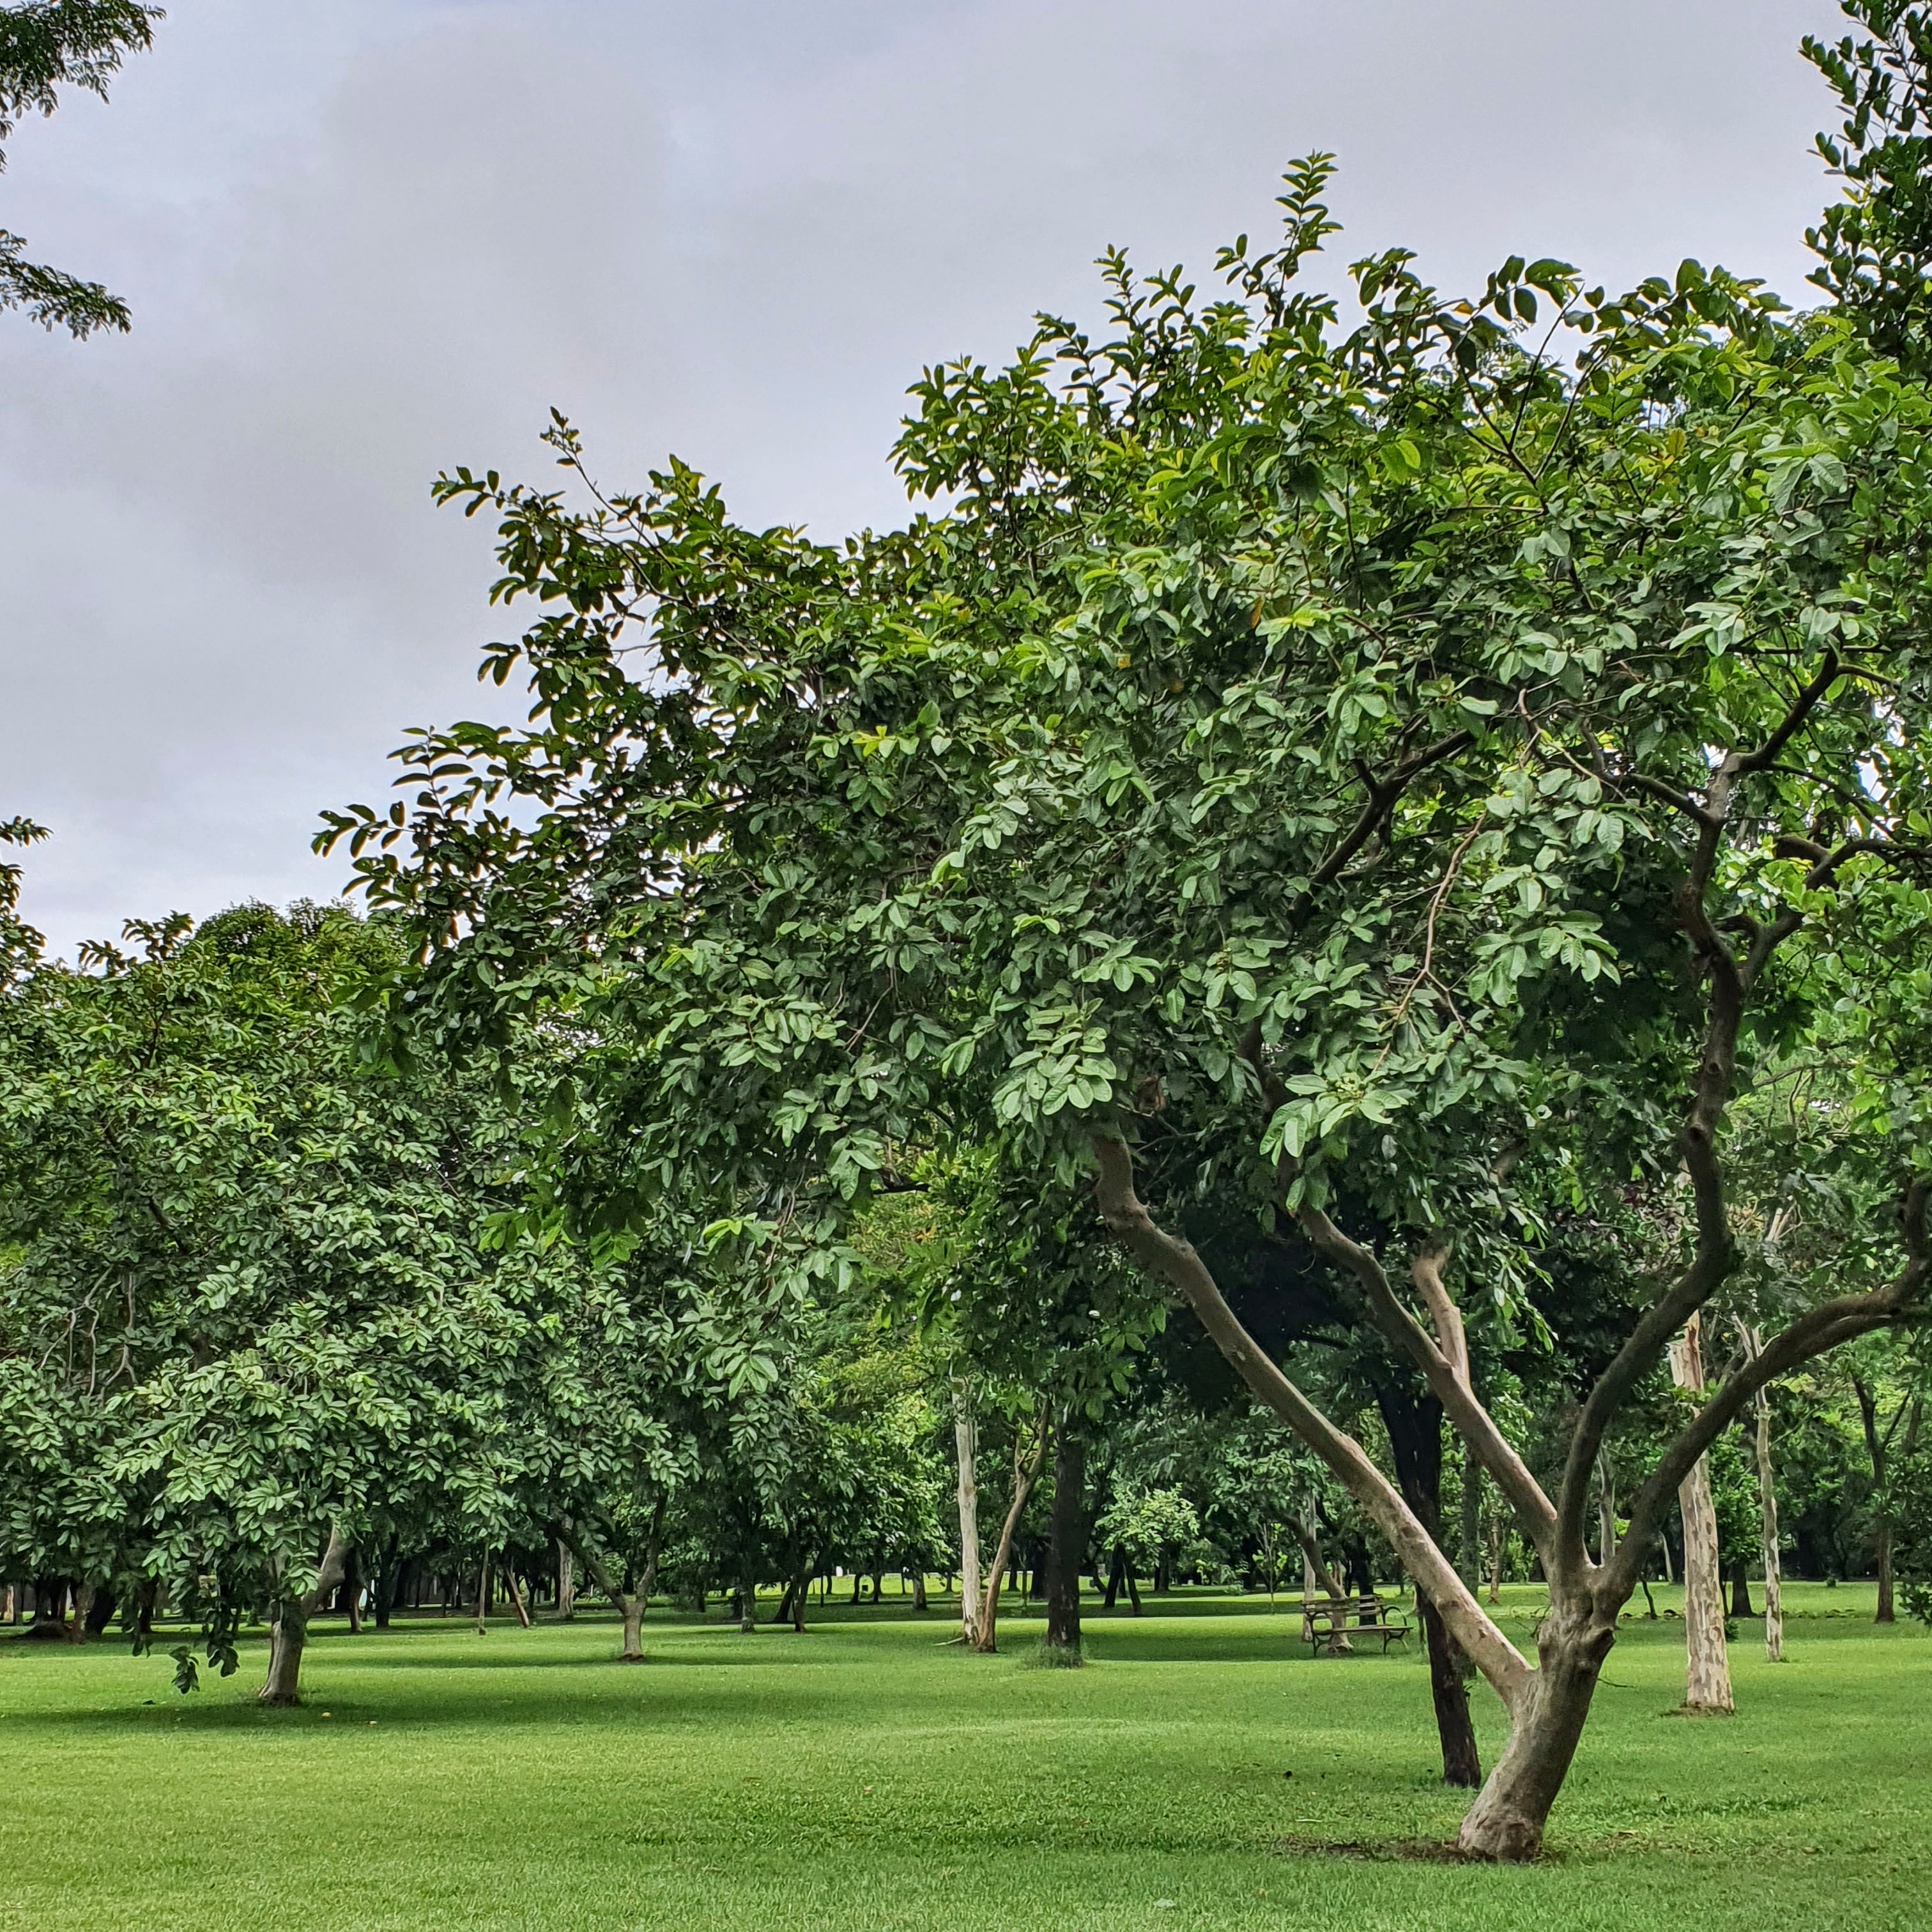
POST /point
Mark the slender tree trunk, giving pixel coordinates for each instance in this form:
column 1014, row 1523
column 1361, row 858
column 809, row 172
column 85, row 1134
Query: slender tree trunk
column 919, row 1602
column 801, row 1589
column 1068, row 1541
column 1314, row 1567
column 1507, row 1819
column 1023, row 1478
column 1708, row 1672
column 1877, row 1446
column 566, row 1582
column 288, row 1635
column 1471, row 1538
column 1740, row 1602
column 1414, row 1425
column 483, row 1596
column 1753, row 1339
column 1607, row 1507
column 516, row 1595
column 1496, row 1542
column 966, row 1441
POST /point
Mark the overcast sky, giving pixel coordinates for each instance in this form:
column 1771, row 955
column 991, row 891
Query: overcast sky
column 366, row 239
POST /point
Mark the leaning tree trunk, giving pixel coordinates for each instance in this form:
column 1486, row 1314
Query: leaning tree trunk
column 1414, row 1425
column 1507, row 1821
column 1707, row 1666
column 1067, row 1542
column 1315, row 1567
column 1023, row 1478
column 966, row 1441
column 288, row 1635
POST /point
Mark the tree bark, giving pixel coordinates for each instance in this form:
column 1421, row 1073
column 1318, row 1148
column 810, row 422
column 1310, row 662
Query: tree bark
column 1507, row 1819
column 1067, row 1543
column 288, row 1635
column 1878, row 1446
column 631, row 1608
column 1414, row 1427
column 566, row 1582
column 483, row 1596
column 1707, row 1667
column 1023, row 1478
column 1752, row 1337
column 966, row 1442
column 77, row 1630
column 516, row 1595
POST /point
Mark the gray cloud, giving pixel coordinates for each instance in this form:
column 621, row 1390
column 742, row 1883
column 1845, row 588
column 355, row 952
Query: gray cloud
column 366, row 240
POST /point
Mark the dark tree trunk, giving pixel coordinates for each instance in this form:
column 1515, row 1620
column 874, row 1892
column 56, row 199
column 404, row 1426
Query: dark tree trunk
column 49, row 1624
column 1414, row 1425
column 100, row 1612
column 1068, row 1541
column 1117, row 1575
column 919, row 1590
column 1740, row 1602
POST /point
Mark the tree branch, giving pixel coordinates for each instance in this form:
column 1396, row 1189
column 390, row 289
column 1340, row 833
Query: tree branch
column 1173, row 1260
column 1472, row 1421
column 1813, row 1333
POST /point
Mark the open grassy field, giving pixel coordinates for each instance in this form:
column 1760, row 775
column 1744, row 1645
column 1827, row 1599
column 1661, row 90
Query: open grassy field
column 863, row 1776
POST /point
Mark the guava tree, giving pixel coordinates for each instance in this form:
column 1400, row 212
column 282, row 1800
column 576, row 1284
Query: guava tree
column 1407, row 778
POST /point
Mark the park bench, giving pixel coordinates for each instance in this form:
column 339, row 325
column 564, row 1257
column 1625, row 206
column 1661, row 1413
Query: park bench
column 1324, row 1618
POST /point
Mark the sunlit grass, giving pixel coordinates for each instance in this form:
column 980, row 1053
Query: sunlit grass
column 866, row 1775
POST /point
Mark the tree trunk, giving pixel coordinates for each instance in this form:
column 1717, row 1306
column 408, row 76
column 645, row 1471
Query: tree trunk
column 1023, row 1483
column 77, row 1628
column 1414, row 1425
column 919, row 1602
column 1315, row 1569
column 516, row 1596
column 1740, row 1602
column 483, row 1596
column 1507, row 1821
column 1753, row 1339
column 1067, row 1543
column 100, row 1612
column 801, row 1589
column 1707, row 1667
column 966, row 1442
column 288, row 1635
column 1877, row 1446
column 631, row 1608
column 1471, row 1538
column 566, row 1582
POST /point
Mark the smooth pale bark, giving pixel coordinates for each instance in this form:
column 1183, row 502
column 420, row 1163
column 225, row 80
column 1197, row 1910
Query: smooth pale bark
column 288, row 1635
column 1606, row 1508
column 966, row 1443
column 1707, row 1660
column 1068, row 1541
column 1024, row 1476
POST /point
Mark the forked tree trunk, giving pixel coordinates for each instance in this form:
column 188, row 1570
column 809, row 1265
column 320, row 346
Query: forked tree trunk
column 288, row 1635
column 966, row 1442
column 1507, row 1821
column 1708, row 1665
column 1314, row 1570
column 1023, row 1478
column 1879, row 1447
column 1068, row 1541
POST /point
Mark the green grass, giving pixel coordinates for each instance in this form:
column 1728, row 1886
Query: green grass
column 863, row 1776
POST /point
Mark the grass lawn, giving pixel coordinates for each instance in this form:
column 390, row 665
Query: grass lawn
column 862, row 1775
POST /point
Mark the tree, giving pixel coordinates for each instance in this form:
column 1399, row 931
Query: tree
column 44, row 46
column 1396, row 776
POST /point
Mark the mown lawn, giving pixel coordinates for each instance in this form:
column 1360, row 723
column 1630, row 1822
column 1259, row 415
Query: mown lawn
column 862, row 1775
